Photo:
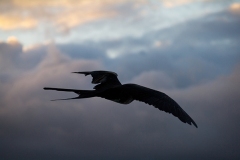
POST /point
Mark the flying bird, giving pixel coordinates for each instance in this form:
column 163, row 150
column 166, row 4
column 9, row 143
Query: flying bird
column 109, row 87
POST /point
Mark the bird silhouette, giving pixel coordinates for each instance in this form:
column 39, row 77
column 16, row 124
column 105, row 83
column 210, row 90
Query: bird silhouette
column 109, row 87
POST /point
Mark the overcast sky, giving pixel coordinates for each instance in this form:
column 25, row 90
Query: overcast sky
column 188, row 49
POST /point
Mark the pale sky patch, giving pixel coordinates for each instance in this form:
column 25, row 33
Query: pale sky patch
column 174, row 3
column 11, row 22
column 157, row 44
column 12, row 40
column 235, row 8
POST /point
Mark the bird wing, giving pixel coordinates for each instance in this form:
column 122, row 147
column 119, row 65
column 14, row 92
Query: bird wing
column 107, row 79
column 159, row 100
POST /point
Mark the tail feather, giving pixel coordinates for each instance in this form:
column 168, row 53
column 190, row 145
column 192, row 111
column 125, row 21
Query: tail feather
column 78, row 97
column 81, row 93
column 62, row 89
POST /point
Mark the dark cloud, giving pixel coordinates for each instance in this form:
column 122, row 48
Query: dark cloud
column 203, row 80
column 9, row 54
column 195, row 52
column 83, row 51
column 33, row 127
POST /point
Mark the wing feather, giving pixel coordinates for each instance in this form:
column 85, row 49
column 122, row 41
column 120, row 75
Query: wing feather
column 104, row 79
column 159, row 100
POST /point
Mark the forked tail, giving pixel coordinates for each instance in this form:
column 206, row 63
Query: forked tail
column 81, row 93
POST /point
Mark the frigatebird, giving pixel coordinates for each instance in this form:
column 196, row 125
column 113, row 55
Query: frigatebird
column 109, row 87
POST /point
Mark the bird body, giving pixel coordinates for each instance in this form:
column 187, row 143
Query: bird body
column 109, row 87
column 117, row 94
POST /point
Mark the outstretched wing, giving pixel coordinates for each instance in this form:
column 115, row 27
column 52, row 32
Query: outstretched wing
column 107, row 79
column 159, row 100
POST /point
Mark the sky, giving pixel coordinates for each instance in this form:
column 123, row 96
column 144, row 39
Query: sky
column 188, row 49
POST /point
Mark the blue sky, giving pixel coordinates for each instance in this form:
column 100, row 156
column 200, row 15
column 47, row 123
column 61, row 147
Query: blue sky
column 188, row 49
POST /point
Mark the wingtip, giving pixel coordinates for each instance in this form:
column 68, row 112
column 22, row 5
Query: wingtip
column 85, row 73
column 195, row 124
column 192, row 123
column 78, row 72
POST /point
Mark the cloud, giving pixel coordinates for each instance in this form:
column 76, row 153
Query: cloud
column 16, row 59
column 11, row 22
column 10, row 54
column 12, row 40
column 208, row 45
column 66, row 21
column 174, row 3
column 151, row 78
column 235, row 8
column 63, row 15
column 91, row 128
